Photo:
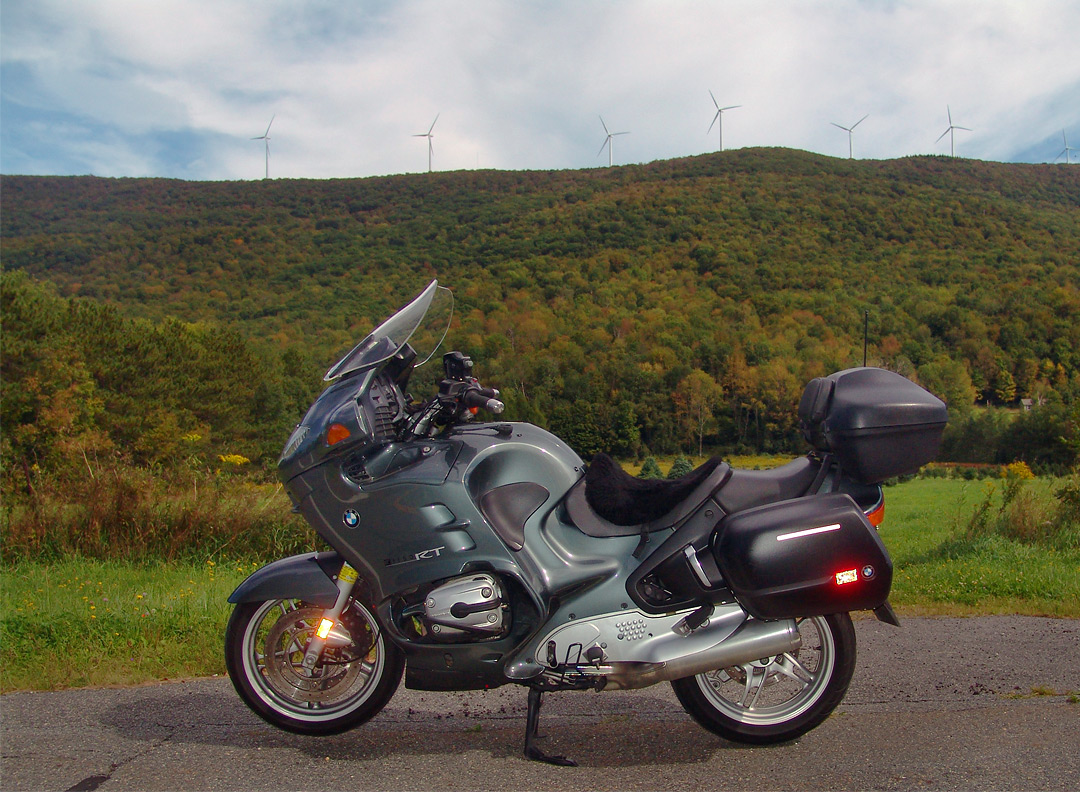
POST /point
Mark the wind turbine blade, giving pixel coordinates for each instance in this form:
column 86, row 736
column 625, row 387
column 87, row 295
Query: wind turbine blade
column 434, row 122
column 859, row 121
column 966, row 129
column 604, row 125
column 943, row 134
column 714, row 100
column 607, row 140
column 839, row 127
column 267, row 132
column 613, row 134
column 949, row 111
column 730, row 107
column 714, row 120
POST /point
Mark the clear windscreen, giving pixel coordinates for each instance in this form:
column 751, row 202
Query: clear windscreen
column 422, row 323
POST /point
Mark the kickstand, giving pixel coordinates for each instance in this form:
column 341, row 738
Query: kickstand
column 532, row 721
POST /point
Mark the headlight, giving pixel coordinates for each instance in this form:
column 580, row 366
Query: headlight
column 296, row 439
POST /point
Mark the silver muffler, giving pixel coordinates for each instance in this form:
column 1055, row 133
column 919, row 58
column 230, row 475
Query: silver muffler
column 753, row 640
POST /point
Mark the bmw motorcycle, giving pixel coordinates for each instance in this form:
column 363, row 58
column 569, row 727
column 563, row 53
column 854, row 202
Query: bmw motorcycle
column 472, row 554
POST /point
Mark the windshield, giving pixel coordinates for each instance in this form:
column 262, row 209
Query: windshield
column 430, row 313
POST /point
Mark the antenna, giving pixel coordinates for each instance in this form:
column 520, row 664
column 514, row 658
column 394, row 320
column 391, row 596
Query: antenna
column 951, row 133
column 850, row 130
column 265, row 137
column 607, row 141
column 865, row 334
column 430, row 146
column 719, row 117
column 1066, row 151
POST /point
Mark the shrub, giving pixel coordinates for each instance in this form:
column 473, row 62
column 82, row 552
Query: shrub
column 680, row 468
column 650, row 470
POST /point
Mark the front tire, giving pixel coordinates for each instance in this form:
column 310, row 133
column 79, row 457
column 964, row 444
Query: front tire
column 264, row 649
column 777, row 698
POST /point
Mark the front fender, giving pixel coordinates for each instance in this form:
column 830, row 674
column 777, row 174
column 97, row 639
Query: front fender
column 311, row 577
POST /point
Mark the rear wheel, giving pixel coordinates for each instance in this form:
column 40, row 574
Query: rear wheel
column 776, row 698
column 264, row 651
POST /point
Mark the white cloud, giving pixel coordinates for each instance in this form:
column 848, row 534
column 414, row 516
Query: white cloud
column 520, row 84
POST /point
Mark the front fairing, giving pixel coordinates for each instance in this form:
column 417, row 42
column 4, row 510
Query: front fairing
column 365, row 401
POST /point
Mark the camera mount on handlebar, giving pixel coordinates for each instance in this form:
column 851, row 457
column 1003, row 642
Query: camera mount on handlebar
column 460, row 394
column 458, row 367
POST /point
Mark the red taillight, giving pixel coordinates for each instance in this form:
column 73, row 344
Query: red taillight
column 877, row 516
column 336, row 433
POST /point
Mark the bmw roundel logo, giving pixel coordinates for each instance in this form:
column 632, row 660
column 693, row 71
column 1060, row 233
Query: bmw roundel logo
column 351, row 518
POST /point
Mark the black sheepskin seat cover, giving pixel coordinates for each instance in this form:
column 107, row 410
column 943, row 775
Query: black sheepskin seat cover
column 620, row 498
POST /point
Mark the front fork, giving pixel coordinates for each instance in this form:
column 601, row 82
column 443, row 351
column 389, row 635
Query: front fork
column 345, row 582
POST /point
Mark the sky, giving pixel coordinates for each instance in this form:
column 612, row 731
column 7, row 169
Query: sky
column 179, row 88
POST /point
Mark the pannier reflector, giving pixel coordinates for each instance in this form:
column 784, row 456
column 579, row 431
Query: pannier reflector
column 847, row 576
column 808, row 532
column 877, row 516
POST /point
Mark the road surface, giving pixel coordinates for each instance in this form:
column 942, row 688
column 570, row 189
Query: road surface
column 981, row 703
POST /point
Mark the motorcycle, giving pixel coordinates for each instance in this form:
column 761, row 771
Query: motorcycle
column 472, row 554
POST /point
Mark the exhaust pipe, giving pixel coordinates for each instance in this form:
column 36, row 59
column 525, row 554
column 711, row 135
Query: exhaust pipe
column 753, row 640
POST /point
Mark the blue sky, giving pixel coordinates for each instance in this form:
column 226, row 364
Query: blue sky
column 178, row 88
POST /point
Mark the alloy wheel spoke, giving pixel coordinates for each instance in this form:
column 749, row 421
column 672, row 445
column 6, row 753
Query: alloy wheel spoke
column 755, row 682
column 790, row 667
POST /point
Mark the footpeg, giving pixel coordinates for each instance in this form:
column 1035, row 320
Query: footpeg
column 694, row 621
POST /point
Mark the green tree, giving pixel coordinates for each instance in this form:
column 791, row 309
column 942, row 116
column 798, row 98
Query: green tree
column 680, row 467
column 695, row 398
column 650, row 469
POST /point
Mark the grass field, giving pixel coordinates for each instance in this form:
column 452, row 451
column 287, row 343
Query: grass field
column 80, row 623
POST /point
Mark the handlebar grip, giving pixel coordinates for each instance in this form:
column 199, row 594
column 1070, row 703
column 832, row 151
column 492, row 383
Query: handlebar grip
column 483, row 398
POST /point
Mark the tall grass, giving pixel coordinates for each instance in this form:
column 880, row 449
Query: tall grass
column 1005, row 546
column 131, row 513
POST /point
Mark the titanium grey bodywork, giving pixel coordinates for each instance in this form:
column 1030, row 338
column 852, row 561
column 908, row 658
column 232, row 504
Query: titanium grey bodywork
column 484, row 497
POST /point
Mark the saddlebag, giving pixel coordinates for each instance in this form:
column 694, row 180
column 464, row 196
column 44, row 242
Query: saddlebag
column 876, row 423
column 803, row 557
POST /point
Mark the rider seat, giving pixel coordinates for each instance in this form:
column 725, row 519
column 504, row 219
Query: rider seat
column 608, row 501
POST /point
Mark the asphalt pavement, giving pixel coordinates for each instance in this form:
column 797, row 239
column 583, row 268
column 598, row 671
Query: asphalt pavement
column 985, row 703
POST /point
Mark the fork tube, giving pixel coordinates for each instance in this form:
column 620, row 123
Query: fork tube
column 345, row 582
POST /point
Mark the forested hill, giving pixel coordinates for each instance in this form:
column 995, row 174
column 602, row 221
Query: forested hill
column 612, row 297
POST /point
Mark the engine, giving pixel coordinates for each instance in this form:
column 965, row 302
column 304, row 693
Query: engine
column 467, row 608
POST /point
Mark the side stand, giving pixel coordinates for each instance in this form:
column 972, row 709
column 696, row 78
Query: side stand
column 532, row 722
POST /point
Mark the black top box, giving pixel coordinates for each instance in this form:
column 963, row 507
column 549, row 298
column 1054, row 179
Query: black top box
column 876, row 423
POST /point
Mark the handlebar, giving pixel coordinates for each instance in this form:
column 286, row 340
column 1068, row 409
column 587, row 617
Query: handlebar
column 484, row 399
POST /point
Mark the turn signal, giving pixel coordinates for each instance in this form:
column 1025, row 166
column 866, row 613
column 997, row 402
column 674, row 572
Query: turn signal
column 877, row 516
column 336, row 433
column 324, row 628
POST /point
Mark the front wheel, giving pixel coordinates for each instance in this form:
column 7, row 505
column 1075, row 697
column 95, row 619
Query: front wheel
column 776, row 698
column 264, row 652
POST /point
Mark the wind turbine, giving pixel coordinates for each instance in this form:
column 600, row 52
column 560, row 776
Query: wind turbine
column 951, row 133
column 429, row 136
column 1066, row 151
column 265, row 137
column 849, row 130
column 719, row 117
column 607, row 141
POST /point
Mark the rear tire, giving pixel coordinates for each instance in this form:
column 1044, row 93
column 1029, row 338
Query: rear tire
column 264, row 648
column 777, row 698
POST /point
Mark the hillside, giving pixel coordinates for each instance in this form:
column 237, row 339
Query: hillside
column 590, row 297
